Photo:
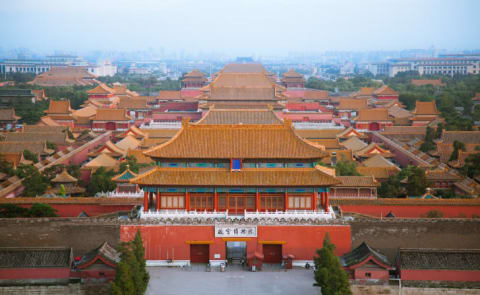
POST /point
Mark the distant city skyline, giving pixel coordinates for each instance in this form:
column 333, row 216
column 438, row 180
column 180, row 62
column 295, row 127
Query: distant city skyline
column 244, row 28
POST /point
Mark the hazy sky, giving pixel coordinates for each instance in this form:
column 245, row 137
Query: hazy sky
column 241, row 26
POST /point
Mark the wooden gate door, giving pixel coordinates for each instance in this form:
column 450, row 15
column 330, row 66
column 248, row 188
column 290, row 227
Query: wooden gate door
column 272, row 253
column 199, row 253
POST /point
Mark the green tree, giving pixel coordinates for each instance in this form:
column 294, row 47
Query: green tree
column 428, row 144
column 434, row 214
column 471, row 168
column 329, row 274
column 42, row 210
column 134, row 274
column 28, row 155
column 12, row 211
column 416, row 181
column 139, row 252
column 101, row 181
column 391, row 188
column 457, row 145
column 6, row 167
column 34, row 183
column 52, row 146
column 439, row 131
column 346, row 168
column 123, row 283
column 131, row 163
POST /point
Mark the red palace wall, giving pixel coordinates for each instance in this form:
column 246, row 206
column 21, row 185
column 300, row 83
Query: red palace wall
column 73, row 210
column 412, row 211
column 34, row 273
column 375, row 274
column 440, row 275
column 164, row 242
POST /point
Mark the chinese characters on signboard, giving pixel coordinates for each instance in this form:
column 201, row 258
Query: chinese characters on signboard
column 231, row 231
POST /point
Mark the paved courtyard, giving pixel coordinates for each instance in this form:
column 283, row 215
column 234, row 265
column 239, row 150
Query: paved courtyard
column 178, row 281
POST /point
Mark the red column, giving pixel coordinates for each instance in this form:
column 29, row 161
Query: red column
column 322, row 198
column 257, row 201
column 145, row 201
column 315, row 197
column 158, row 200
column 187, row 201
column 215, row 201
column 286, row 200
column 326, row 202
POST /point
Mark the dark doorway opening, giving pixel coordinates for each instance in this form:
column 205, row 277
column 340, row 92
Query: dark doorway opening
column 272, row 253
column 200, row 253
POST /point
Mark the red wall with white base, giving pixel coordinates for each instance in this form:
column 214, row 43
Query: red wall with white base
column 440, row 275
column 163, row 242
column 34, row 273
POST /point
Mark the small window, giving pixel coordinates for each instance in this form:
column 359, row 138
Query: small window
column 236, row 164
column 368, row 275
column 102, row 274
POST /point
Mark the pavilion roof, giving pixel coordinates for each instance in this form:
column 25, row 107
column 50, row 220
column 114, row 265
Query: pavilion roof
column 352, row 104
column 313, row 94
column 105, row 251
column 53, row 137
column 86, row 112
column 43, row 128
column 160, row 133
column 354, row 144
column 377, row 161
column 351, row 132
column 59, row 107
column 372, row 115
column 371, row 150
column 125, row 176
column 319, row 133
column 128, row 142
column 47, row 121
column 292, row 76
column 128, row 102
column 36, row 147
column 111, row 115
column 65, row 76
column 240, row 116
column 362, row 253
column 244, row 177
column 378, row 172
column 425, row 108
column 357, row 181
column 101, row 89
column 237, row 141
column 328, row 143
column 385, row 90
column 102, row 160
column 139, row 156
column 64, row 177
column 398, row 112
column 169, row 95
column 233, row 85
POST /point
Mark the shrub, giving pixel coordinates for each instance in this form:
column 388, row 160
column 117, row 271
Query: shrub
column 434, row 214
